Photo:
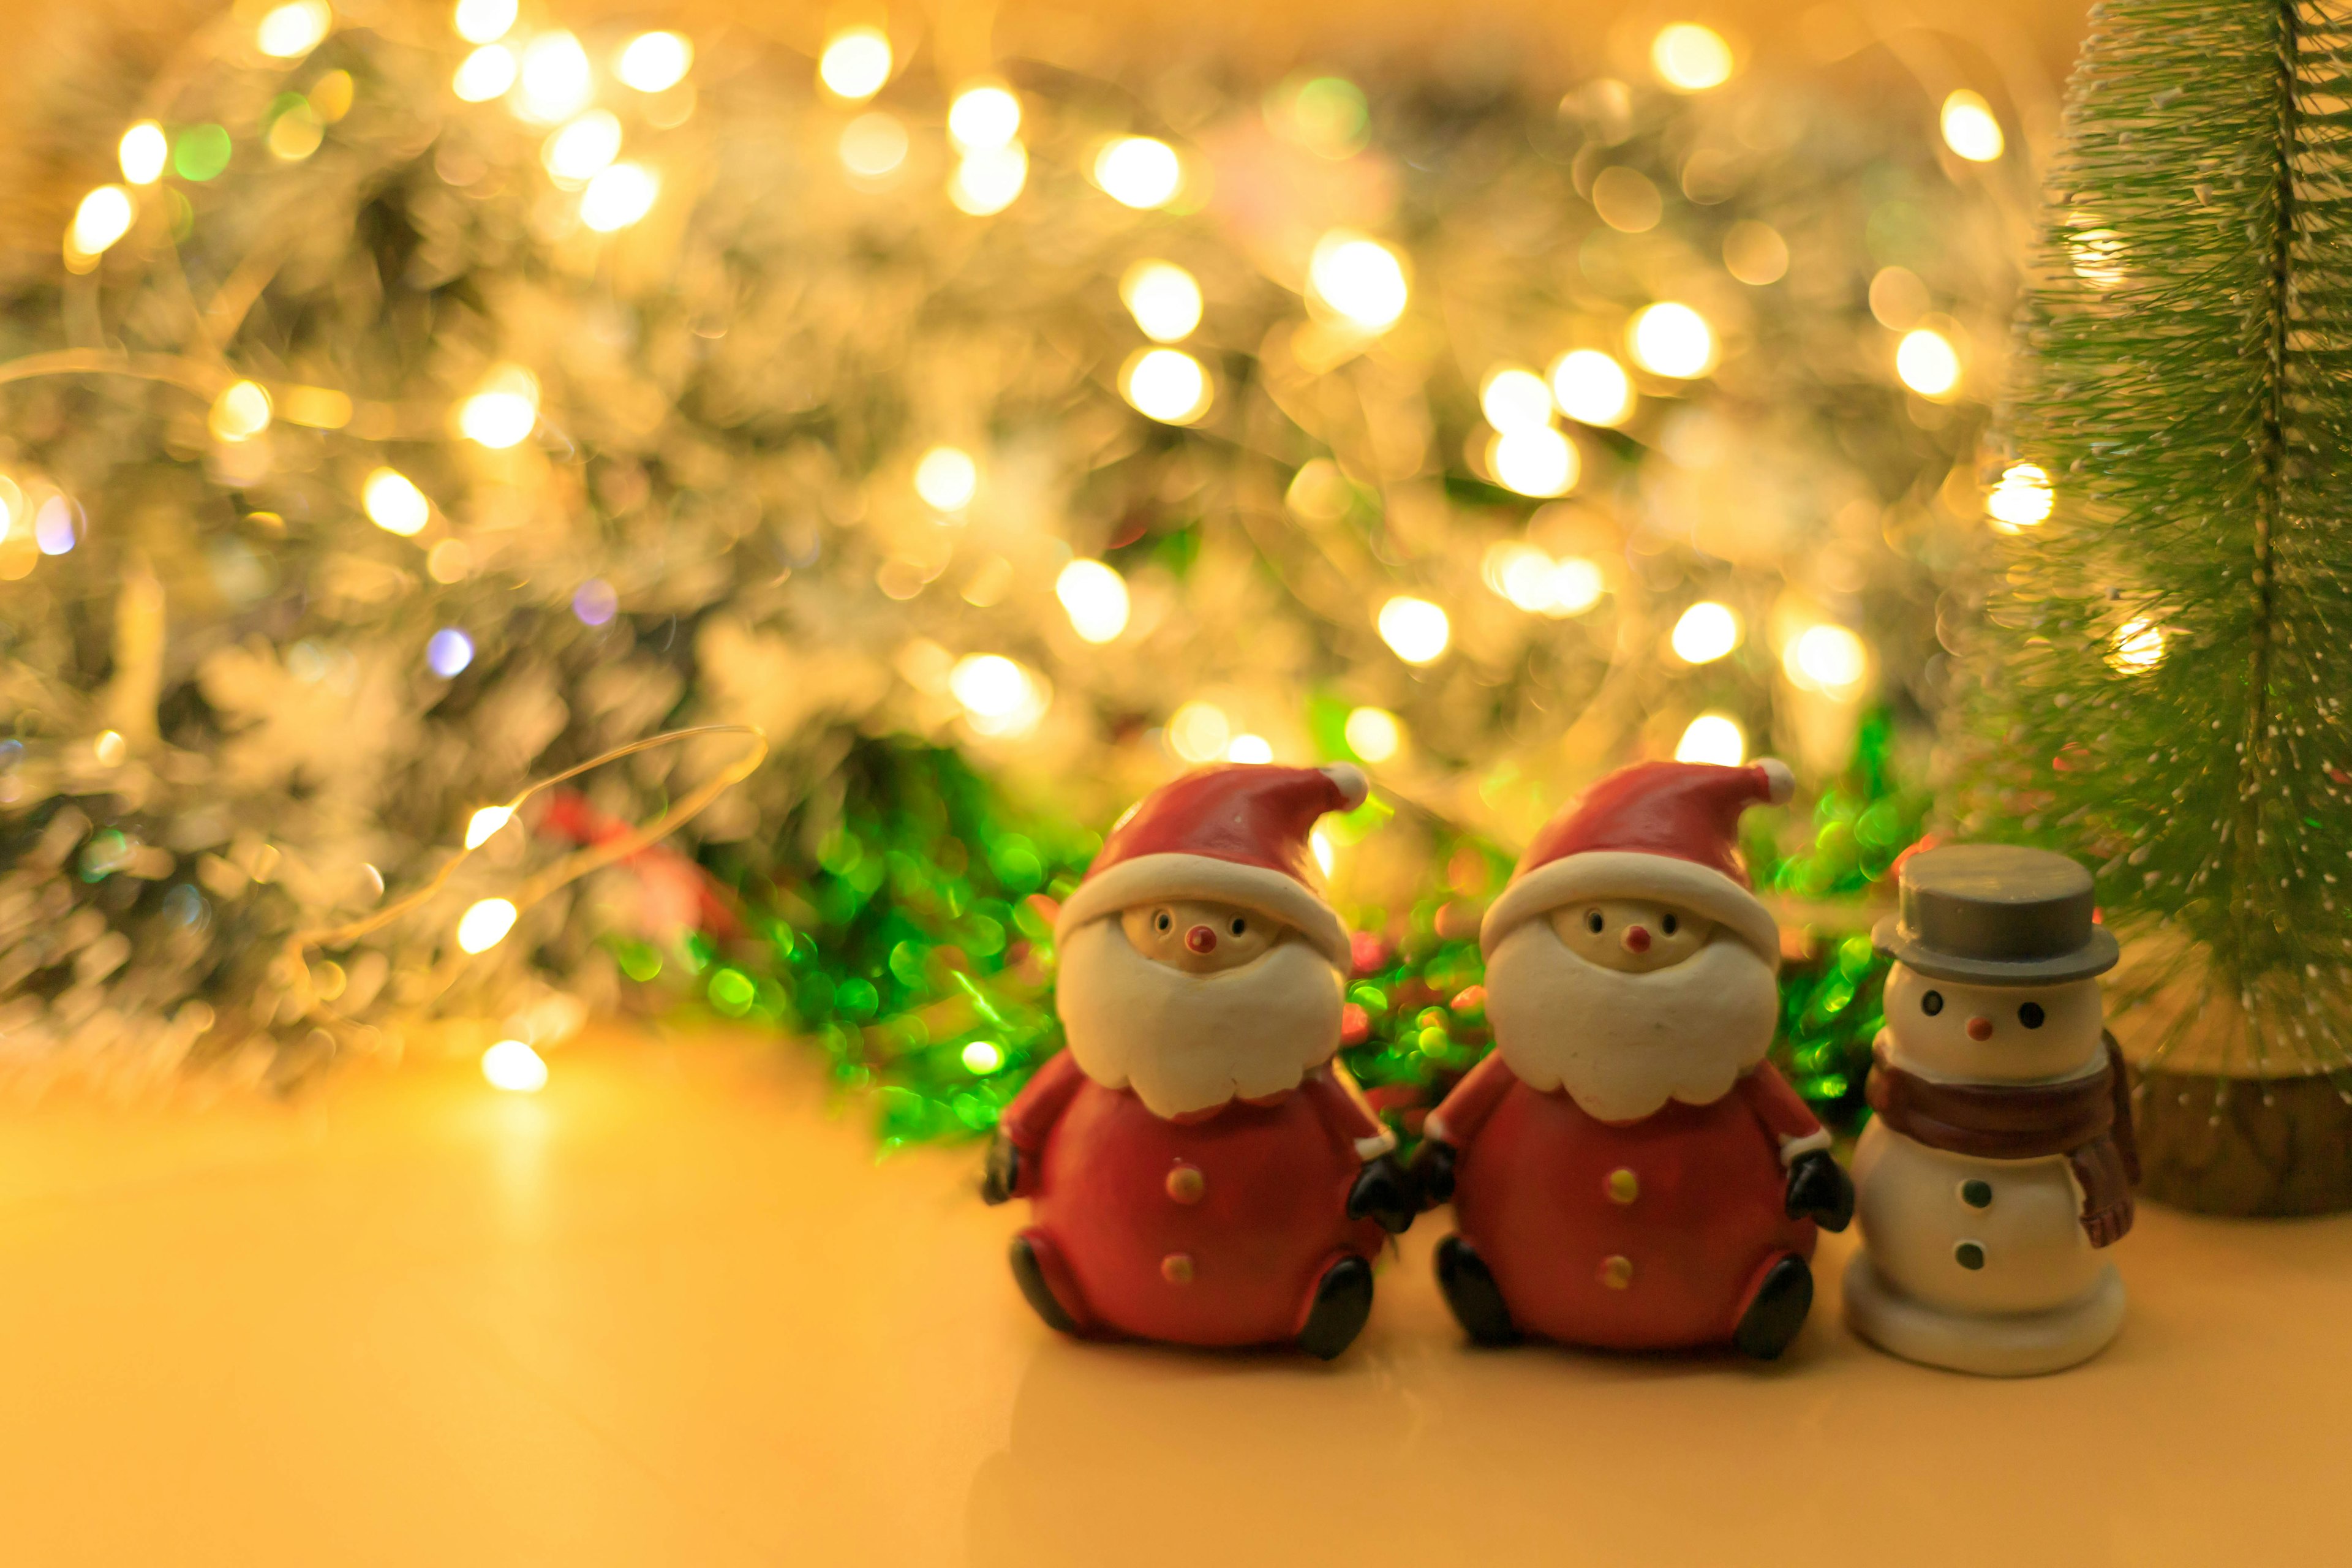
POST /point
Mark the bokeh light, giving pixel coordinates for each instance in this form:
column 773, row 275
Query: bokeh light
column 1706, row 632
column 1689, row 58
column 873, row 144
column 1515, row 399
column 555, row 80
column 143, row 152
column 982, row 119
column 619, row 197
column 484, row 21
column 654, row 62
column 1358, row 279
column 981, row 1057
column 855, row 63
column 1162, row 297
column 947, row 478
column 583, row 147
column 1249, row 749
column 483, row 824
column 999, row 696
column 393, row 503
column 1375, row 734
column 514, row 1066
column 504, row 412
column 448, row 652
column 1927, row 363
column 239, row 414
column 103, row 218
column 1713, row 738
column 1969, row 128
column 57, row 526
column 2137, row 647
column 1672, row 339
column 485, row 74
column 1198, row 732
column 1826, row 658
column 595, row 602
column 1537, row 460
column 986, row 179
column 1593, row 388
column 1416, row 630
column 1141, row 172
column 1095, row 596
column 485, row 924
column 1167, row 385
column 2023, row 498
column 1755, row 253
column 291, row 31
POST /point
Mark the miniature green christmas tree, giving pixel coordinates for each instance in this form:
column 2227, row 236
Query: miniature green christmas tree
column 2160, row 684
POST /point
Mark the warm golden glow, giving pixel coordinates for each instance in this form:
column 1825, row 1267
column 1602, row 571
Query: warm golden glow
column 2137, row 647
column 556, row 80
column 1252, row 749
column 1593, row 388
column 1706, row 632
column 1755, row 253
column 1969, row 128
column 2098, row 257
column 619, row 197
column 1198, row 732
column 484, row 21
column 294, row 134
column 1163, row 299
column 394, row 504
column 1689, row 58
column 1534, row 461
column 1095, row 595
column 998, row 697
column 988, row 179
column 1416, row 630
column 485, row 924
column 654, row 62
column 576, row 153
column 1672, row 339
column 1927, row 363
column 947, row 478
column 1826, row 658
column 1532, row 581
column 485, row 74
column 873, row 144
column 1374, row 734
column 239, row 413
column 293, row 30
column 143, row 152
column 1515, row 399
column 504, row 412
column 1359, row 279
column 483, row 824
column 2023, row 498
column 855, row 63
column 1141, row 172
column 1713, row 738
column 110, row 748
column 982, row 119
column 1167, row 385
column 103, row 218
column 514, row 1066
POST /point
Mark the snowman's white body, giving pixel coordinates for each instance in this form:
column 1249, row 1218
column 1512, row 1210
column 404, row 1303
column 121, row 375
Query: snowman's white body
column 1978, row 1265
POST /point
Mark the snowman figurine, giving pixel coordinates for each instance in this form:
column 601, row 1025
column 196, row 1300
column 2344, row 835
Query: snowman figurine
column 1999, row 1163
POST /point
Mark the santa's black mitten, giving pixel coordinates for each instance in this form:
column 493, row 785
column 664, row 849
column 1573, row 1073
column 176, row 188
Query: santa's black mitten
column 1002, row 1175
column 1820, row 1190
column 1384, row 1191
column 1432, row 1171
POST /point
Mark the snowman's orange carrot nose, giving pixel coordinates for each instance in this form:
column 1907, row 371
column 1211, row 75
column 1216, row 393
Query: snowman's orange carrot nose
column 1201, row 939
column 1637, row 939
column 1980, row 1028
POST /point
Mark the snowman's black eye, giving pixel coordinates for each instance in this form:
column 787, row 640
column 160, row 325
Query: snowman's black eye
column 1240, row 925
column 1931, row 1002
column 1593, row 922
column 1669, row 925
column 2031, row 1015
column 1164, row 920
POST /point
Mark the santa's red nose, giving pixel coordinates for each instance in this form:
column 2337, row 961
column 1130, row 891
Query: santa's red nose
column 1980, row 1028
column 1201, row 939
column 1637, row 939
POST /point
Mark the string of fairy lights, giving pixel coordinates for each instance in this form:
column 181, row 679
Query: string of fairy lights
column 1545, row 451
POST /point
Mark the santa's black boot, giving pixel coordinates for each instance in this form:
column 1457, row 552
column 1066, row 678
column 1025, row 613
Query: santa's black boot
column 1343, row 1301
column 1777, row 1311
column 1470, row 1290
column 1030, row 1276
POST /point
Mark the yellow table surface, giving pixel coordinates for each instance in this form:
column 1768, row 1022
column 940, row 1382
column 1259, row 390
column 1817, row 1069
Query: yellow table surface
column 670, row 1312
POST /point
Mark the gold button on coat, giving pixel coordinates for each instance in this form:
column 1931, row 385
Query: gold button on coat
column 1617, row 1272
column 1624, row 1185
column 1177, row 1269
column 1186, row 1183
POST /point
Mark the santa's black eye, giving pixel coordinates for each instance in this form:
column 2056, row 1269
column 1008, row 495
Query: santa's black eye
column 1240, row 925
column 1931, row 1002
column 1164, row 920
column 2031, row 1015
column 1593, row 922
column 1670, row 925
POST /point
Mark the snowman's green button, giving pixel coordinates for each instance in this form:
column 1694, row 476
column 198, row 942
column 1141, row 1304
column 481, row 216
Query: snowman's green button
column 1977, row 1194
column 1969, row 1254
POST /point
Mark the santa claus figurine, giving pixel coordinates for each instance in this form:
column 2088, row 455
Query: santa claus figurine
column 1627, row 1171
column 1199, row 1170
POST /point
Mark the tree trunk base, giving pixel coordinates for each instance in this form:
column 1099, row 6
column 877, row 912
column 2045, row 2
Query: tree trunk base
column 2278, row 1147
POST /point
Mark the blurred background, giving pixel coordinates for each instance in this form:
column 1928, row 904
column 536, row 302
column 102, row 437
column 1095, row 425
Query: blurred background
column 997, row 410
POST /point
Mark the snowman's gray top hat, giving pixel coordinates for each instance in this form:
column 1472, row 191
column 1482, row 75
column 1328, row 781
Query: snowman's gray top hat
column 1998, row 914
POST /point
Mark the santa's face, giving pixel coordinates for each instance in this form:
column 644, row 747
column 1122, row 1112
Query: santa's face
column 1964, row 1032
column 1190, row 1023
column 1634, row 936
column 1620, row 1031
column 1199, row 936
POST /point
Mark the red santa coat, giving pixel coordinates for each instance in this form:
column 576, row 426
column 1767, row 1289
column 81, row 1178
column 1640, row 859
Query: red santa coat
column 1646, row 1234
column 1210, row 1229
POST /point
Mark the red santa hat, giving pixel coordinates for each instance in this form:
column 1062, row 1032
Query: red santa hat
column 1655, row 830
column 1235, row 834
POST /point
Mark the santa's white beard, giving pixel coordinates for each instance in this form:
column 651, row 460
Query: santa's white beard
column 1622, row 1045
column 1192, row 1042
